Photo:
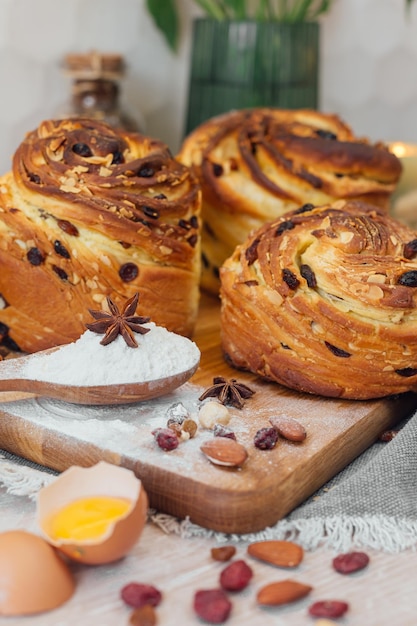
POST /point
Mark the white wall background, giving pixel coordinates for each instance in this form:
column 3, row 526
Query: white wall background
column 368, row 69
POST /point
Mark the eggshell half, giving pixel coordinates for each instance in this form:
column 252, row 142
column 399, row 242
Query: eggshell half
column 102, row 479
column 33, row 577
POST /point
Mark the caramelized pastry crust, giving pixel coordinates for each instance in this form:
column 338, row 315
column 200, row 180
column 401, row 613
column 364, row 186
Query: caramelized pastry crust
column 324, row 300
column 86, row 212
column 255, row 165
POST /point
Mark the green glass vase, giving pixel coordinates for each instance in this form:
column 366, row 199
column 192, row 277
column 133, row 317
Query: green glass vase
column 243, row 64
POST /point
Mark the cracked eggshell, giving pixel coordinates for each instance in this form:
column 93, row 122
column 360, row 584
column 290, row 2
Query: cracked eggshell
column 102, row 479
column 33, row 577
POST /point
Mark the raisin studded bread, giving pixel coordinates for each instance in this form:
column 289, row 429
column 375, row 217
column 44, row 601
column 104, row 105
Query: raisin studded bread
column 88, row 211
column 255, row 165
column 324, row 301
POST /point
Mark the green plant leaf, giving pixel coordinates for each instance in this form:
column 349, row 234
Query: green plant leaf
column 213, row 8
column 237, row 9
column 164, row 13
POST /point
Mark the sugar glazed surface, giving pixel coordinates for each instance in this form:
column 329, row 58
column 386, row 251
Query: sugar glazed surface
column 86, row 362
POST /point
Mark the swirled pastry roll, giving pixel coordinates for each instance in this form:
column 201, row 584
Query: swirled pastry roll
column 324, row 300
column 255, row 165
column 86, row 212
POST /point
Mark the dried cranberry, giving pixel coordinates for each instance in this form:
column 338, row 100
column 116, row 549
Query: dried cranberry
column 82, row 150
column 290, row 278
column 35, row 256
column 61, row 250
column 220, row 430
column 266, row 438
column 328, row 608
column 139, row 594
column 166, row 438
column 68, row 228
column 236, row 576
column 337, row 351
column 408, row 279
column 212, row 605
column 350, row 562
column 128, row 272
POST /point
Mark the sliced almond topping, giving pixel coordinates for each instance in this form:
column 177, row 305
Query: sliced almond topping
column 276, row 552
column 282, row 592
column 224, row 451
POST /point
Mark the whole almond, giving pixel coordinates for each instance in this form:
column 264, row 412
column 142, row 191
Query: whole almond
column 282, row 592
column 288, row 427
column 224, row 451
column 279, row 553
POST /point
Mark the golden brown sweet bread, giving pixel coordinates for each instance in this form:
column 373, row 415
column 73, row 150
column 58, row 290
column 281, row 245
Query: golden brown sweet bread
column 324, row 300
column 254, row 165
column 86, row 212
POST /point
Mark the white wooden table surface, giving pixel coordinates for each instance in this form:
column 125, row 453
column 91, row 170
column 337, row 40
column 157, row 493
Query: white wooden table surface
column 384, row 594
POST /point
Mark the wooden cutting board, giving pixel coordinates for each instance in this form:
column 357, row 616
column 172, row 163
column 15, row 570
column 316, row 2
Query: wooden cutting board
column 183, row 482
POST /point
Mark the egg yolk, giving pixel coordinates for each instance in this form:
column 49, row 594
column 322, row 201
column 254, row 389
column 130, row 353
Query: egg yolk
column 86, row 518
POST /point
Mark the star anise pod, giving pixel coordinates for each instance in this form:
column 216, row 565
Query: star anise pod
column 228, row 392
column 119, row 323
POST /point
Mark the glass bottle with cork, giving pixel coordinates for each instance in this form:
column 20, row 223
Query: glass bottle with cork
column 95, row 90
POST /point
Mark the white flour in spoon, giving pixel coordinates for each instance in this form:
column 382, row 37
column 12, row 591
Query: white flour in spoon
column 86, row 362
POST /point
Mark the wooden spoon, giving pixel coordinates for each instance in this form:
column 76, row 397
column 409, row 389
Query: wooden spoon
column 13, row 378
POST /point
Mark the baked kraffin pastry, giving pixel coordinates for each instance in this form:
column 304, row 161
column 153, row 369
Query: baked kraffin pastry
column 324, row 300
column 254, row 165
column 86, row 212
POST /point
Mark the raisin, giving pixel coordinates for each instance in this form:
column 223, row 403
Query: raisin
column 325, row 134
column 406, row 372
column 212, row 605
column 410, row 249
column 266, row 438
column 117, row 158
column 150, row 212
column 4, row 330
column 290, row 278
column 61, row 250
column 287, row 225
column 337, row 351
column 34, row 178
column 236, row 576
column 217, row 170
column 68, row 228
column 160, row 196
column 166, row 439
column 350, row 562
column 184, row 224
column 10, row 344
column 308, row 274
column 60, row 272
column 224, row 553
column 328, row 608
column 193, row 240
column 35, row 256
column 139, row 594
column 194, row 221
column 82, row 150
column 251, row 253
column 304, row 209
column 128, row 272
column 408, row 279
column 205, row 261
column 146, row 172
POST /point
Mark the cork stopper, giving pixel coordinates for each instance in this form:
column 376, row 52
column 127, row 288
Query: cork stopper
column 94, row 65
